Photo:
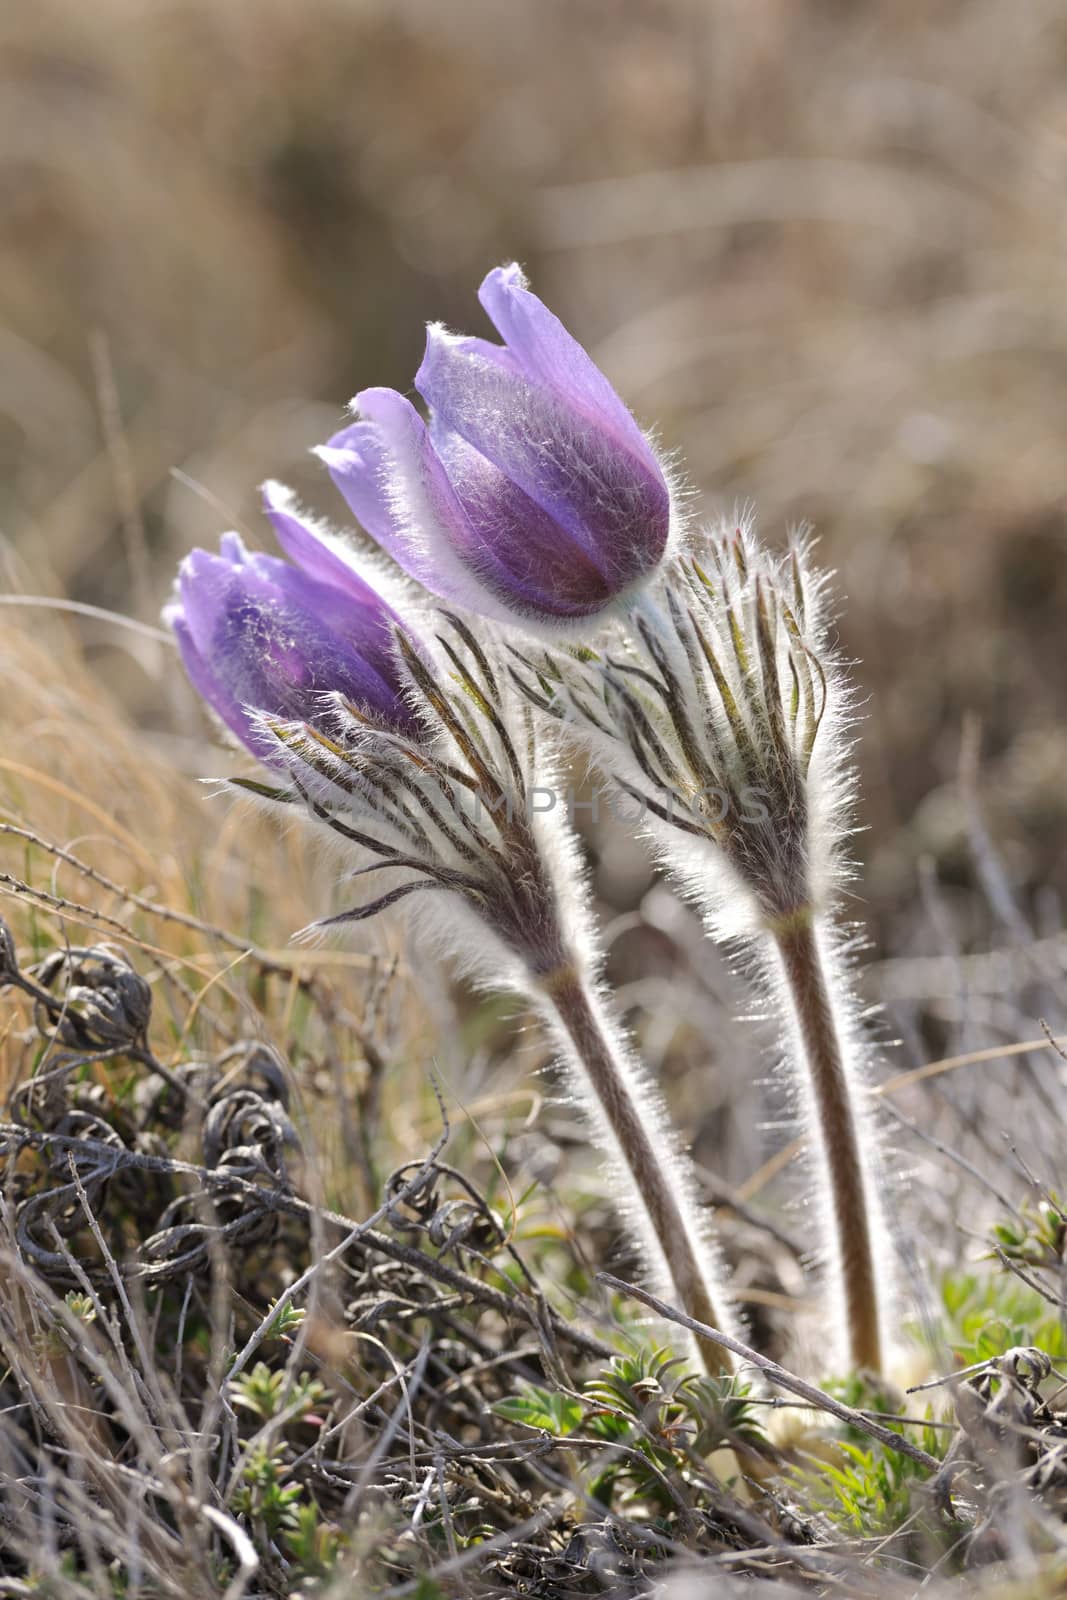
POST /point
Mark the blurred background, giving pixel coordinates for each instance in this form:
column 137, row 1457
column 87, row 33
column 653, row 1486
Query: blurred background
column 820, row 247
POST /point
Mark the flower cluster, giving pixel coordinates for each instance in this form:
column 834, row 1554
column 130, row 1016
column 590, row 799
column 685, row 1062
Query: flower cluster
column 530, row 493
column 528, row 497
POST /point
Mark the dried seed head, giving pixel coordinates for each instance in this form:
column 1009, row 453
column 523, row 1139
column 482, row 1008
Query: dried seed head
column 103, row 1003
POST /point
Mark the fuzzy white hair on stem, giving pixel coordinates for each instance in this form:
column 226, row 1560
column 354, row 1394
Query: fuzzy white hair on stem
column 720, row 709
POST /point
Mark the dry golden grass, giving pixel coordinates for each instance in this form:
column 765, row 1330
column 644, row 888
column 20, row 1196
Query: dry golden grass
column 102, row 841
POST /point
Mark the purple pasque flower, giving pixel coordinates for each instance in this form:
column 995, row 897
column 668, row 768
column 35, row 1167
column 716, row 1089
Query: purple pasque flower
column 258, row 634
column 531, row 492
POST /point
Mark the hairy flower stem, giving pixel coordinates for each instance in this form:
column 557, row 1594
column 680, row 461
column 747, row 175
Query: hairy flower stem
column 839, row 1135
column 575, row 1014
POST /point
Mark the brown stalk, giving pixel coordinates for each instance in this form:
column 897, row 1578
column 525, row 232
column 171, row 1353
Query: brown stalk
column 839, row 1136
column 570, row 1002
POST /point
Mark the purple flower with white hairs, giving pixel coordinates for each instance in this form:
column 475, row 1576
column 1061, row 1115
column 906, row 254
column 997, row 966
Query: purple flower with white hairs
column 258, row 634
column 531, row 492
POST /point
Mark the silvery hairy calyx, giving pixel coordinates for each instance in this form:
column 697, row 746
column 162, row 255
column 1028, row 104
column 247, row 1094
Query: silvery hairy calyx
column 720, row 710
column 530, row 495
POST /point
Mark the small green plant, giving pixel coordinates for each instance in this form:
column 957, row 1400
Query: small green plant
column 310, row 1541
column 659, row 1416
column 81, row 1305
column 1036, row 1235
column 279, row 1512
column 988, row 1312
column 285, row 1321
column 268, row 1394
column 555, row 1413
column 57, row 1339
column 263, row 1496
column 868, row 1491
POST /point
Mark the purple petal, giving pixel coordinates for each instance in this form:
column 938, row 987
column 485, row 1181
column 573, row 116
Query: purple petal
column 205, row 582
column 491, row 536
column 522, row 555
column 420, row 521
column 272, row 638
column 358, row 466
column 613, row 502
column 490, row 352
column 319, row 556
column 319, row 641
column 232, row 548
column 209, row 688
column 551, row 356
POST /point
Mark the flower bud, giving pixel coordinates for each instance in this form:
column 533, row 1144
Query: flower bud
column 258, row 634
column 531, row 493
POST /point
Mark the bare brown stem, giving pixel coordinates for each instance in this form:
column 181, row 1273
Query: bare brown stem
column 649, row 1174
column 839, row 1136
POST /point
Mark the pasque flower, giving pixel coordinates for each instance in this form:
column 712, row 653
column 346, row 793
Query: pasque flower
column 531, row 492
column 260, row 635
column 414, row 746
